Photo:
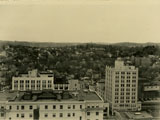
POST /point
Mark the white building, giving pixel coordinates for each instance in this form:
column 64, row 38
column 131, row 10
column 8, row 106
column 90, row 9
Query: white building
column 121, row 85
column 154, row 87
column 40, row 81
column 48, row 105
column 33, row 81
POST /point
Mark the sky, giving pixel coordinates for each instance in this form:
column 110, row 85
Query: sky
column 104, row 21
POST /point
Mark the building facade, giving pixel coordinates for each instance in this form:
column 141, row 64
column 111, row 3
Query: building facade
column 121, row 84
column 40, row 81
column 33, row 81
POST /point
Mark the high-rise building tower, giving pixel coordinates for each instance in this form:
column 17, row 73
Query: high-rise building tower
column 121, row 84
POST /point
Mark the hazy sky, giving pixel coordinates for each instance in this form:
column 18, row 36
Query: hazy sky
column 80, row 20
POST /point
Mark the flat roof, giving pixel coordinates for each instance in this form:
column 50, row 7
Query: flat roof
column 139, row 115
column 5, row 96
column 49, row 95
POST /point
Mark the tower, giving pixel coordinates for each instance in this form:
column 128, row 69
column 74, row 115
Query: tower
column 121, row 85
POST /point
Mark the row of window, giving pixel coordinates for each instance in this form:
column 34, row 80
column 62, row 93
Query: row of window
column 128, row 73
column 128, row 77
column 123, row 85
column 122, row 93
column 68, row 115
column 22, row 107
column 32, row 81
column 122, row 101
column 123, row 81
column 22, row 115
column 60, row 115
column 127, row 89
column 61, row 107
column 122, row 97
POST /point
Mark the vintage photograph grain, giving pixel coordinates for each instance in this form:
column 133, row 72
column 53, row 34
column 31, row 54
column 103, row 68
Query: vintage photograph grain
column 79, row 59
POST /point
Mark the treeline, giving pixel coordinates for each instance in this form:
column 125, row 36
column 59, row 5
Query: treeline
column 80, row 60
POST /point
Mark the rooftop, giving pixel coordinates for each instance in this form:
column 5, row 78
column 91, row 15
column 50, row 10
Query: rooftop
column 49, row 95
column 138, row 115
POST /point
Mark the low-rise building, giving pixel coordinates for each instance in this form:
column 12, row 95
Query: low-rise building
column 49, row 104
column 33, row 81
column 151, row 90
column 40, row 81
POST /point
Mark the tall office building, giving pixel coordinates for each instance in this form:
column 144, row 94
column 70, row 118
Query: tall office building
column 121, row 84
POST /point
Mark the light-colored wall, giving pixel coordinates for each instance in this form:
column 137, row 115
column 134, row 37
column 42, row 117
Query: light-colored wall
column 152, row 88
column 12, row 113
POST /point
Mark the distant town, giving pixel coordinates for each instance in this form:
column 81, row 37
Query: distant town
column 89, row 81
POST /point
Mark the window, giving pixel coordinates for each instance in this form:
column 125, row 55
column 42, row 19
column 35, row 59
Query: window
column 133, row 101
column 45, row 115
column 122, row 72
column 61, row 106
column 46, row 106
column 116, row 89
column 127, row 101
column 30, row 107
column 134, row 73
column 17, row 115
column 73, row 106
column 97, row 113
column 22, row 115
column 116, row 97
column 73, row 114
column 128, row 81
column 133, row 89
column 128, row 85
column 2, row 114
column 80, row 118
column 116, row 93
column 128, row 77
column 133, row 85
column 88, row 113
column 69, row 106
column 17, row 107
column 54, row 115
column 54, row 106
column 116, row 101
column 80, row 106
column 122, row 93
column 69, row 115
column 116, row 85
column 22, row 107
column 133, row 77
column 127, row 93
column 122, row 85
column 133, row 80
column 61, row 115
column 128, row 73
column 30, row 115
column 10, row 107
